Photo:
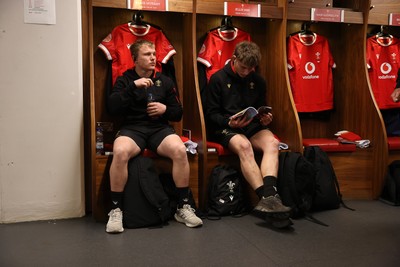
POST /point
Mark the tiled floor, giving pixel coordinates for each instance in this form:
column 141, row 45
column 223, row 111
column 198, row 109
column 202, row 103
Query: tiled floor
column 369, row 236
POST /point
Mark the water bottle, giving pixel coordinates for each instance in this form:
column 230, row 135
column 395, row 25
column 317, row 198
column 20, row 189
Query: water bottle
column 150, row 98
column 99, row 139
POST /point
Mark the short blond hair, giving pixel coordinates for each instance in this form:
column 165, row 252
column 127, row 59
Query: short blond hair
column 248, row 53
column 135, row 47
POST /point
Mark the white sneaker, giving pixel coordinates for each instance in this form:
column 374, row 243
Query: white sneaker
column 114, row 224
column 187, row 216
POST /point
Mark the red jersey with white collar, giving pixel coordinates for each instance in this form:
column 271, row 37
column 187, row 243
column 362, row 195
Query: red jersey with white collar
column 218, row 48
column 310, row 64
column 116, row 46
column 383, row 62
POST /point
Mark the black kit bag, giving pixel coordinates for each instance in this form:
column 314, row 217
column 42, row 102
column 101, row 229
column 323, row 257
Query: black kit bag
column 327, row 195
column 225, row 193
column 391, row 190
column 145, row 201
column 296, row 183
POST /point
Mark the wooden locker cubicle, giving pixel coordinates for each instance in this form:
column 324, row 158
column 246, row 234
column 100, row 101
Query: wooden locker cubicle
column 176, row 23
column 360, row 173
column 379, row 17
column 268, row 31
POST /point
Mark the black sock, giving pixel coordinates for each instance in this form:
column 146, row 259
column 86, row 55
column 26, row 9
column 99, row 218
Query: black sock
column 116, row 200
column 183, row 194
column 260, row 192
column 270, row 185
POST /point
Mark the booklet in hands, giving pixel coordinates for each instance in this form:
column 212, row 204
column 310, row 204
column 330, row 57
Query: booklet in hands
column 251, row 112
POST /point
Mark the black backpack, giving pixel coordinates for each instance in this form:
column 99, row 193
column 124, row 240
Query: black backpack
column 391, row 190
column 145, row 200
column 296, row 183
column 225, row 193
column 327, row 195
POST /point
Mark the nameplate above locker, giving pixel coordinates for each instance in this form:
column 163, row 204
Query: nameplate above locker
column 394, row 19
column 327, row 14
column 154, row 5
column 242, row 10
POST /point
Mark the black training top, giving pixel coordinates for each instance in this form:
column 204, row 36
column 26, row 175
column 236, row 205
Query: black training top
column 128, row 100
column 227, row 93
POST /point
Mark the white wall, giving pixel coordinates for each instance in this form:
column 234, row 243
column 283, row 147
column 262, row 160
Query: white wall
column 41, row 115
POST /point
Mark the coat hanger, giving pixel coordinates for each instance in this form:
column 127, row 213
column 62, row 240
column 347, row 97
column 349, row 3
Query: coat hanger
column 226, row 24
column 383, row 33
column 137, row 19
column 305, row 29
column 383, row 38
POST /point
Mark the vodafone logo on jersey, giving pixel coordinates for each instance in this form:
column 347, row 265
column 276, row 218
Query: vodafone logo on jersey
column 385, row 69
column 310, row 69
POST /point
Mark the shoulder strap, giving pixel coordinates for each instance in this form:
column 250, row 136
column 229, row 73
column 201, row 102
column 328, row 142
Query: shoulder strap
column 311, row 218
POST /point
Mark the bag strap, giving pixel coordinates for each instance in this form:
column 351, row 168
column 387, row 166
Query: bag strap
column 335, row 180
column 213, row 218
column 240, row 214
column 311, row 218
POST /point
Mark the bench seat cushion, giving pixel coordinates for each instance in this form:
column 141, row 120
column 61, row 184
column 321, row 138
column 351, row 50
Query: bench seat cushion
column 329, row 145
column 394, row 143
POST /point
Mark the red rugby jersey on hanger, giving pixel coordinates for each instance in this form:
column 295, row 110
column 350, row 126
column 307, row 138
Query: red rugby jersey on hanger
column 116, row 46
column 383, row 62
column 218, row 48
column 310, row 64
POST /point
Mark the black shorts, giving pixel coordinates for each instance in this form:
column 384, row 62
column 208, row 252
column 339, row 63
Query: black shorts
column 224, row 136
column 147, row 136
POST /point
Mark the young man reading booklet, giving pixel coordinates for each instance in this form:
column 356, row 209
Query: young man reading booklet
column 236, row 86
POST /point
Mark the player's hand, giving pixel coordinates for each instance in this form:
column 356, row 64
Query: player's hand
column 156, row 109
column 266, row 119
column 143, row 83
column 396, row 95
column 239, row 122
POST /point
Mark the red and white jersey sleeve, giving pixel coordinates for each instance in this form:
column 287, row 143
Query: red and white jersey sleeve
column 218, row 48
column 116, row 46
column 310, row 64
column 383, row 62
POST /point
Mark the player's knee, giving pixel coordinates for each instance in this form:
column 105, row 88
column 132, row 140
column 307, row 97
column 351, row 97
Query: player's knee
column 245, row 150
column 121, row 153
column 178, row 151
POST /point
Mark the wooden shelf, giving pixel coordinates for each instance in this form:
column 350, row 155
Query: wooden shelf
column 183, row 6
column 380, row 10
column 217, row 8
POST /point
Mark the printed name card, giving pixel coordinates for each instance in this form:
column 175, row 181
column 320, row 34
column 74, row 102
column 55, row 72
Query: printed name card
column 394, row 19
column 154, row 5
column 242, row 10
column 327, row 14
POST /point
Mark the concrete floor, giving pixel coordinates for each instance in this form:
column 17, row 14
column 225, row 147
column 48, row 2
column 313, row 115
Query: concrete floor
column 368, row 236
